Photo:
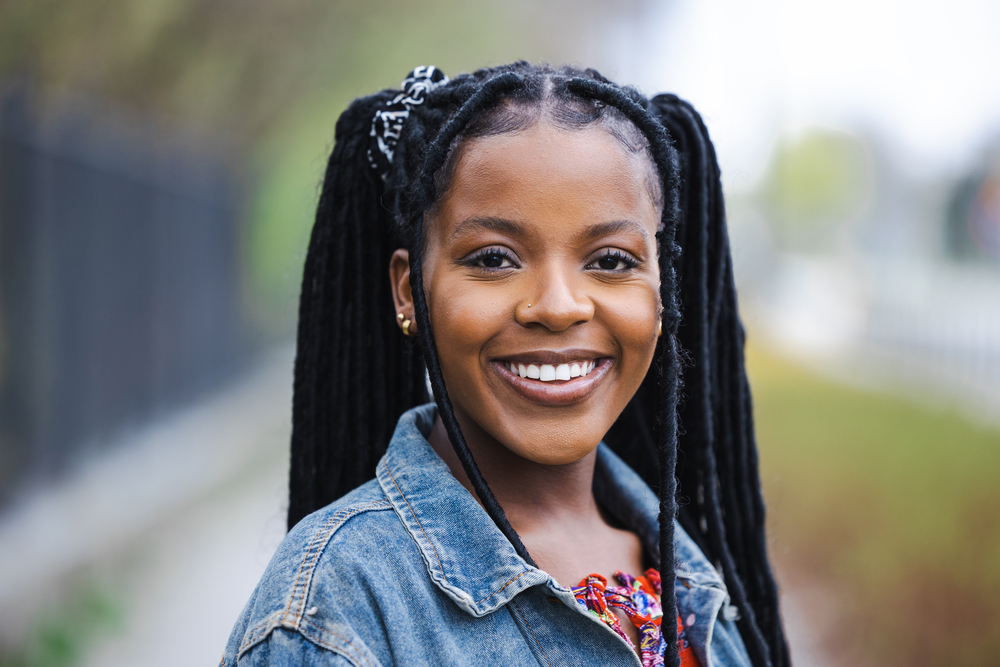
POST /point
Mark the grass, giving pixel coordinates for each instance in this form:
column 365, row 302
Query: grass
column 893, row 505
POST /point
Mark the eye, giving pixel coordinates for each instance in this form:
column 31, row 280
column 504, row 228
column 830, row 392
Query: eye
column 491, row 259
column 494, row 260
column 614, row 260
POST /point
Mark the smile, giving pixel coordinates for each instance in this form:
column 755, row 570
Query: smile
column 551, row 372
column 563, row 382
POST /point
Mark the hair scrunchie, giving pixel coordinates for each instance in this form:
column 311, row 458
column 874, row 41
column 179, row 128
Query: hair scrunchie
column 388, row 123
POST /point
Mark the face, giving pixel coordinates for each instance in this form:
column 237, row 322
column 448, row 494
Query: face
column 542, row 285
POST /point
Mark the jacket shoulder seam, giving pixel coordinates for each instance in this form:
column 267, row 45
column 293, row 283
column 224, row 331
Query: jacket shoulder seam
column 316, row 548
column 288, row 618
column 345, row 647
column 315, row 634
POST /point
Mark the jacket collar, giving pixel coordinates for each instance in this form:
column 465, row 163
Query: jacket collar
column 466, row 555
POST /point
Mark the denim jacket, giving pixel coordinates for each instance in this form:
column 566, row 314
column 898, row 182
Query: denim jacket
column 408, row 569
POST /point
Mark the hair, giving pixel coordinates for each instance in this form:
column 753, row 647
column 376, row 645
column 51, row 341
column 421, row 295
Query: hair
column 355, row 373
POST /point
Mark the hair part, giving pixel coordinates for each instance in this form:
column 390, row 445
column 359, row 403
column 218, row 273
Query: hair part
column 550, row 102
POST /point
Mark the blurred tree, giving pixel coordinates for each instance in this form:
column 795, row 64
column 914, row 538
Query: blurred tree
column 269, row 79
column 818, row 183
column 241, row 66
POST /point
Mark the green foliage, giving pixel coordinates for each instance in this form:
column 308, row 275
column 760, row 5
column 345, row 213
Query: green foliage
column 816, row 184
column 270, row 79
column 279, row 223
column 60, row 636
column 245, row 67
column 893, row 505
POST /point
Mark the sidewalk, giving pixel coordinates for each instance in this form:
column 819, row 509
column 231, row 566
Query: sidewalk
column 174, row 527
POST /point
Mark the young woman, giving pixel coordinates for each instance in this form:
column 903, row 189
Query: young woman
column 544, row 251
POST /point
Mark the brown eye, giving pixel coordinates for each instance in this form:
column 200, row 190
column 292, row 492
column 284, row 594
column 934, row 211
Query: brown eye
column 614, row 261
column 493, row 260
column 609, row 263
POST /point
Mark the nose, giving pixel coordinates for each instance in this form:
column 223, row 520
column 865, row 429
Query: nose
column 557, row 303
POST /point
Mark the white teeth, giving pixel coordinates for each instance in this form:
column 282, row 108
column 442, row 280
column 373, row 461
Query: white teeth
column 550, row 372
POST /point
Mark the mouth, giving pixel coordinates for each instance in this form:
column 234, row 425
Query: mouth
column 561, row 382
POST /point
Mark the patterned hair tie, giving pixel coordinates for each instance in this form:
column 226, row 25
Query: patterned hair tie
column 388, row 123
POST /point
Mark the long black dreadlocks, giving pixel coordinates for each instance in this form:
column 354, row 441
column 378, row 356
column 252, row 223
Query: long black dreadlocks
column 355, row 374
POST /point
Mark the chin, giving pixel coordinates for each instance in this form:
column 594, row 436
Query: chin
column 554, row 447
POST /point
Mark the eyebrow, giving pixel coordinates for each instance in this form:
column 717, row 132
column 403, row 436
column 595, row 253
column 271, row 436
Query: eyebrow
column 511, row 228
column 613, row 227
column 498, row 225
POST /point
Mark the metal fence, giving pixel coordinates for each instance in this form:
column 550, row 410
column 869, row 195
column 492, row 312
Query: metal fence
column 946, row 315
column 119, row 281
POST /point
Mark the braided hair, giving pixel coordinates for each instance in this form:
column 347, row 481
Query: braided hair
column 355, row 374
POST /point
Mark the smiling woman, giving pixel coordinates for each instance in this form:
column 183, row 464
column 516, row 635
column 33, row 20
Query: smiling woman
column 527, row 217
column 569, row 230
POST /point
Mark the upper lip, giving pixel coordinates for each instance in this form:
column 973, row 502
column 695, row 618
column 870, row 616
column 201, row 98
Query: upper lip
column 551, row 356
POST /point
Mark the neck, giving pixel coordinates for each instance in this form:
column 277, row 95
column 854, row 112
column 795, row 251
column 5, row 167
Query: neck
column 552, row 507
column 533, row 495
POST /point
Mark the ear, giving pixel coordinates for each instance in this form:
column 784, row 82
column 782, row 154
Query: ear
column 399, row 278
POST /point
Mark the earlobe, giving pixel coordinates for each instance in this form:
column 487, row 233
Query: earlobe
column 402, row 294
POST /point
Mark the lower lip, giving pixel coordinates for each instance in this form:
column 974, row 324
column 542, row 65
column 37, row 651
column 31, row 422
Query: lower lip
column 556, row 392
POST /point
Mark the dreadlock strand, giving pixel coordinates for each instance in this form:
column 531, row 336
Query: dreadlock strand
column 771, row 618
column 488, row 94
column 339, row 328
column 447, row 413
column 727, row 470
column 666, row 163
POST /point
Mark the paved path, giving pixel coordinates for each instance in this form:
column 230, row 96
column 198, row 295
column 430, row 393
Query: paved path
column 175, row 524
column 186, row 581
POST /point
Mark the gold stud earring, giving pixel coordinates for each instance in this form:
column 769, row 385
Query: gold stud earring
column 404, row 323
column 659, row 331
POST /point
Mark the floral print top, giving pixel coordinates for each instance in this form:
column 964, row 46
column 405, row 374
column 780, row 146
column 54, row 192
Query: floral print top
column 639, row 598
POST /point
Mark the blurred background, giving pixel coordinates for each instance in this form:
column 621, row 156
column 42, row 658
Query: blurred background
column 159, row 168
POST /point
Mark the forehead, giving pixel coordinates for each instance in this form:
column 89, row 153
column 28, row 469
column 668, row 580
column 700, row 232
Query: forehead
column 546, row 173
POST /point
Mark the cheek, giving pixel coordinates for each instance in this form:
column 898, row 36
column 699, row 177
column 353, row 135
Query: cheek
column 462, row 319
column 634, row 320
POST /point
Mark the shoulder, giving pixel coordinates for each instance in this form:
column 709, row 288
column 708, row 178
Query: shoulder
column 319, row 582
